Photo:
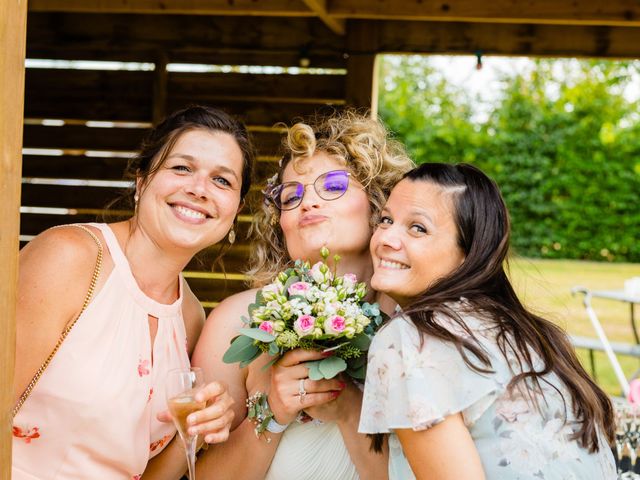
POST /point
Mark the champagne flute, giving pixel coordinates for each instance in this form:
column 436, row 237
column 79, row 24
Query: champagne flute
column 181, row 388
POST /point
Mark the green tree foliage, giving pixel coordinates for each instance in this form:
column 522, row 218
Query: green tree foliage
column 562, row 141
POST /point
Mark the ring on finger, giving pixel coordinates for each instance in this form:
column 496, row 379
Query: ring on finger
column 301, row 391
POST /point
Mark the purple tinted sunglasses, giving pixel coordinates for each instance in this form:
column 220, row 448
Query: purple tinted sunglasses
column 329, row 186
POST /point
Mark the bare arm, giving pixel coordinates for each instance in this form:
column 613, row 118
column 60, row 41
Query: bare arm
column 55, row 272
column 443, row 452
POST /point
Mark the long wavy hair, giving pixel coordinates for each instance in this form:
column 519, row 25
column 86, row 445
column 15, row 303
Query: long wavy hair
column 361, row 144
column 483, row 231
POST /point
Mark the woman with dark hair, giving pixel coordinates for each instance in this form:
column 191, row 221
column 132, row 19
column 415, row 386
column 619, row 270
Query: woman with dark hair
column 89, row 400
column 470, row 382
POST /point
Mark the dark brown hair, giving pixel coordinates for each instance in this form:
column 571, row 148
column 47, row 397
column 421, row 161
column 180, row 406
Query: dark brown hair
column 483, row 231
column 159, row 141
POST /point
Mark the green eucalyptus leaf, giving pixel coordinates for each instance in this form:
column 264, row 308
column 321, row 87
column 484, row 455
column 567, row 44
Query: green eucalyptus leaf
column 273, row 349
column 314, row 370
column 257, row 334
column 244, row 363
column 241, row 349
column 361, row 341
column 357, row 373
column 271, row 363
column 357, row 362
column 331, row 366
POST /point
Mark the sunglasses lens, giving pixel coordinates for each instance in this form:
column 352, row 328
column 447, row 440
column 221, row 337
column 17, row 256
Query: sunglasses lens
column 332, row 185
column 289, row 196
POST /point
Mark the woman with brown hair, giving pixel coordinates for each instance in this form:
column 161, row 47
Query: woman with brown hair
column 470, row 382
column 91, row 410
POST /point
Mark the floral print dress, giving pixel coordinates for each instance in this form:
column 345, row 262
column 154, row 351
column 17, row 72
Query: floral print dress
column 414, row 386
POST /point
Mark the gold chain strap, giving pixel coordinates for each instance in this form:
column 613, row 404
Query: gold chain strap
column 67, row 329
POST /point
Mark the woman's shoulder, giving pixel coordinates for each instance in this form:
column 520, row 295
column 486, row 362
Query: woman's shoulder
column 224, row 320
column 62, row 253
column 236, row 305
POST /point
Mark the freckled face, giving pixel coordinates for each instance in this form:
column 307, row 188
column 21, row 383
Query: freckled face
column 342, row 225
column 415, row 243
column 192, row 200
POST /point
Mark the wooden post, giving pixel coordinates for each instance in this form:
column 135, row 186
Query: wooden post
column 12, row 55
column 362, row 85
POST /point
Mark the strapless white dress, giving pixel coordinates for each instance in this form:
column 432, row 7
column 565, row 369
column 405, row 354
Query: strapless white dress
column 309, row 451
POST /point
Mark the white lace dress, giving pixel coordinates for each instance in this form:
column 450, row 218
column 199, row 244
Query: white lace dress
column 412, row 387
column 310, row 451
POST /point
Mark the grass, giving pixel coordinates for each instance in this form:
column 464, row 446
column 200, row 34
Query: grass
column 545, row 287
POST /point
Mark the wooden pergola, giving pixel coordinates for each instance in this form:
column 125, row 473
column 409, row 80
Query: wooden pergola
column 79, row 125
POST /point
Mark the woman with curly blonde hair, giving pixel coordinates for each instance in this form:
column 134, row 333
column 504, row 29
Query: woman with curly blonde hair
column 334, row 178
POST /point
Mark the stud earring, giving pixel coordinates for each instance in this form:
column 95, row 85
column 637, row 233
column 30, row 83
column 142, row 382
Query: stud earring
column 232, row 236
column 136, row 197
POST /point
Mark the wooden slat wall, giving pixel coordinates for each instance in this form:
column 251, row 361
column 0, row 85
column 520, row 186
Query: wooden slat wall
column 260, row 100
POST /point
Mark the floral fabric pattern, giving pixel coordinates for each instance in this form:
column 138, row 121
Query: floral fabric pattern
column 416, row 386
column 26, row 434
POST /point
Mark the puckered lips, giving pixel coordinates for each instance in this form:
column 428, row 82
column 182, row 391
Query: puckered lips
column 190, row 213
column 311, row 219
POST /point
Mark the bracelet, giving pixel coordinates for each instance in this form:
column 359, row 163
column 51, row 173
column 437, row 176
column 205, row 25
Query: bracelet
column 260, row 414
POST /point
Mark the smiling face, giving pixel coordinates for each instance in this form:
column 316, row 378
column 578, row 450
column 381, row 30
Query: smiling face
column 416, row 242
column 342, row 224
column 192, row 200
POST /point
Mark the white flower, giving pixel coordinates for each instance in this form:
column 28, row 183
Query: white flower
column 349, row 281
column 320, row 273
column 270, row 292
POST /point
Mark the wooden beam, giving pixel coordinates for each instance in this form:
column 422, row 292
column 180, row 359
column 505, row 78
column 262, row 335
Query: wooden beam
column 12, row 55
column 361, row 66
column 319, row 7
column 292, row 8
column 184, row 38
column 553, row 12
column 501, row 39
column 558, row 12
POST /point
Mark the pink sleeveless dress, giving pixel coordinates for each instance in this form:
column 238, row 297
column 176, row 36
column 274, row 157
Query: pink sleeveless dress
column 93, row 412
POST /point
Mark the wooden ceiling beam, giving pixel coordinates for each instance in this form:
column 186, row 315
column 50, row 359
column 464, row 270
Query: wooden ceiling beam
column 334, row 13
column 319, row 7
column 263, row 8
column 498, row 39
column 551, row 12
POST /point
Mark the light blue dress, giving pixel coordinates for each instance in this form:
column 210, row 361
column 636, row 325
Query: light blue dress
column 412, row 387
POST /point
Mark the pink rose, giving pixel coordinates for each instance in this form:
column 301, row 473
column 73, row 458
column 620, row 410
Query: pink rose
column 267, row 326
column 304, row 325
column 634, row 392
column 334, row 325
column 299, row 288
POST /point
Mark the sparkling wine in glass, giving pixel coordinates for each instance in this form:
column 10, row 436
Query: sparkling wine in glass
column 182, row 385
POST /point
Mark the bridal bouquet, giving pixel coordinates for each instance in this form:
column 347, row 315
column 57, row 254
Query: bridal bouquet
column 310, row 307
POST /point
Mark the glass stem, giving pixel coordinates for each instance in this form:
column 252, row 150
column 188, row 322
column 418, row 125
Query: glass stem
column 190, row 447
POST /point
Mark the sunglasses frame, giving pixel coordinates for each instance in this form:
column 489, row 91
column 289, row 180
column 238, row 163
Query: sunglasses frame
column 274, row 191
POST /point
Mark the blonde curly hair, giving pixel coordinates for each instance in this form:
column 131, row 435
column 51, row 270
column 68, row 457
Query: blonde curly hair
column 361, row 143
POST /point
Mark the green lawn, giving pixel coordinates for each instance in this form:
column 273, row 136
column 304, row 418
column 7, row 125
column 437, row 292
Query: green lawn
column 545, row 286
